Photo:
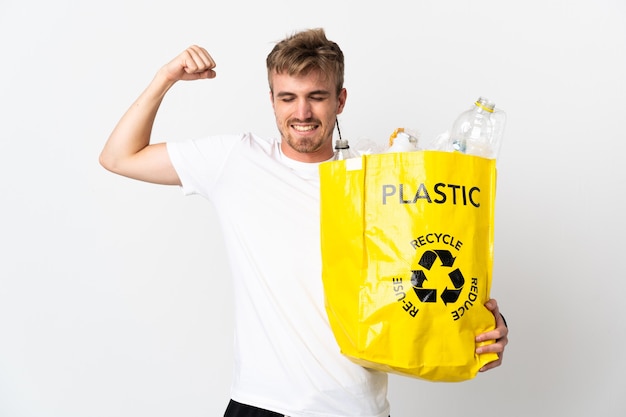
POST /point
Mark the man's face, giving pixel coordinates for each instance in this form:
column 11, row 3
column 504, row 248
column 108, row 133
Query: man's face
column 306, row 108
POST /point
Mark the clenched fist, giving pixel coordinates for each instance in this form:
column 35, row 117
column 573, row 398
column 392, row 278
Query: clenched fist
column 192, row 64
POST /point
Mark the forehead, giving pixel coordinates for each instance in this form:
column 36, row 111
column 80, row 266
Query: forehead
column 303, row 83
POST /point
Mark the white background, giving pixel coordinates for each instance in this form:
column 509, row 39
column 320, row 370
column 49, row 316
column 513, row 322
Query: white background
column 114, row 295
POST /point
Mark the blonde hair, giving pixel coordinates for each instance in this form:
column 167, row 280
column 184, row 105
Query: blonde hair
column 306, row 51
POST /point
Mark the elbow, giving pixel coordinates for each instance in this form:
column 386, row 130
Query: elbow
column 104, row 161
column 107, row 161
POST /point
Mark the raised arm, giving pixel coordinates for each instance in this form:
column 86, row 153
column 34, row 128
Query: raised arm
column 128, row 150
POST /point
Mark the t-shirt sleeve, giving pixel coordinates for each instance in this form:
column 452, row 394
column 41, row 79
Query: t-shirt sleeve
column 199, row 162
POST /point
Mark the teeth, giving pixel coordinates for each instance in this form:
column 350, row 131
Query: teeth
column 303, row 128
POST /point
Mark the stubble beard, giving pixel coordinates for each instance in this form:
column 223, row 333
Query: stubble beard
column 303, row 145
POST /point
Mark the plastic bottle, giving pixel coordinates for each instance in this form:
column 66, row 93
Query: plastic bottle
column 478, row 131
column 343, row 151
column 401, row 141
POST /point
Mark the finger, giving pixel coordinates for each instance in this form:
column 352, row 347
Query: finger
column 495, row 347
column 501, row 329
column 492, row 305
column 204, row 56
column 499, row 333
column 491, row 365
column 198, row 60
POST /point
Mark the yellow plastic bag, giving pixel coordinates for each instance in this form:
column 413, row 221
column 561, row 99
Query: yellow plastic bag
column 407, row 253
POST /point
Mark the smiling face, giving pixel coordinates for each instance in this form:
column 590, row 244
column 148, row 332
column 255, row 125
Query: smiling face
column 306, row 108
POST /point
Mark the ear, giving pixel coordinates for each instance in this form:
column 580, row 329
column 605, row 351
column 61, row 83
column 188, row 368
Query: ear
column 272, row 99
column 341, row 100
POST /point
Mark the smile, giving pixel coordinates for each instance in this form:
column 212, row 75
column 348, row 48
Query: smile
column 306, row 128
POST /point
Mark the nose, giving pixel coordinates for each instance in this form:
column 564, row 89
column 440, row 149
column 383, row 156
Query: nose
column 303, row 109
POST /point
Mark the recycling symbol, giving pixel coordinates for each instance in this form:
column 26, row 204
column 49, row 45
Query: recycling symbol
column 418, row 278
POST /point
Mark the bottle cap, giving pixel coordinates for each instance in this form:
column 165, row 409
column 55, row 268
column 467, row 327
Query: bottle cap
column 341, row 144
column 395, row 134
column 485, row 104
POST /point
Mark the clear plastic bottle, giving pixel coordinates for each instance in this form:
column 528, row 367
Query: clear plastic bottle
column 478, row 131
column 343, row 151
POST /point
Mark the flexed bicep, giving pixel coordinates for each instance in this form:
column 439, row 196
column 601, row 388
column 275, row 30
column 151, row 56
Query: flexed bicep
column 128, row 151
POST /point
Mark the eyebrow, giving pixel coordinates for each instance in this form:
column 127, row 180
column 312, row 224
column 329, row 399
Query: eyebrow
column 312, row 93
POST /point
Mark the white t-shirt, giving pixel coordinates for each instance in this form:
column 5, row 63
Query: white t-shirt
column 286, row 357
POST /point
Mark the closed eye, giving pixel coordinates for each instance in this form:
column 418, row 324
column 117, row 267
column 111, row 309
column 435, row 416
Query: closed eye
column 286, row 97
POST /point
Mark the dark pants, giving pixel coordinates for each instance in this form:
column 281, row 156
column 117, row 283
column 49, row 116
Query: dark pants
column 236, row 409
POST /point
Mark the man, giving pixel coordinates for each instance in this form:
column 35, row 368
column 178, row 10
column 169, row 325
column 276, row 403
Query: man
column 266, row 193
